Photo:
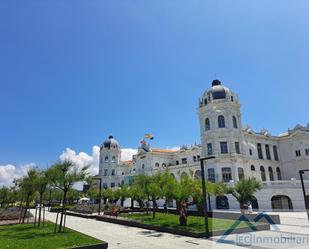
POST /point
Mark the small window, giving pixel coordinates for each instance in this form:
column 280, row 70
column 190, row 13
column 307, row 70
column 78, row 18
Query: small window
column 184, row 160
column 194, row 158
column 105, row 172
column 279, row 176
column 143, row 166
column 211, row 175
column 207, row 124
column 267, row 152
column 106, row 159
column 157, row 165
column 198, row 157
column 177, row 162
column 112, row 185
column 275, row 153
column 241, row 174
column 250, row 152
column 205, row 101
column 221, row 122
column 223, row 146
column 122, row 173
column 226, row 174
column 271, row 173
column 163, row 165
column 307, row 152
column 263, row 175
column 113, row 172
column 209, row 149
column 260, row 152
column 113, row 159
column 298, row 153
column 252, row 168
column 232, row 98
column 237, row 147
column 235, row 122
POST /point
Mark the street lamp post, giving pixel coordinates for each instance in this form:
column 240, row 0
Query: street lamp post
column 301, row 173
column 100, row 193
column 205, row 194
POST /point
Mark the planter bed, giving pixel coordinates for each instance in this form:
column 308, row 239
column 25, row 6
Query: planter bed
column 178, row 231
column 213, row 214
column 81, row 215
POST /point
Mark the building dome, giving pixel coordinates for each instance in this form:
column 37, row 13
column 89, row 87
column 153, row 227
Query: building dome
column 217, row 92
column 110, row 143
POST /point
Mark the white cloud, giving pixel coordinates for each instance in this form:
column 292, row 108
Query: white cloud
column 127, row 154
column 9, row 172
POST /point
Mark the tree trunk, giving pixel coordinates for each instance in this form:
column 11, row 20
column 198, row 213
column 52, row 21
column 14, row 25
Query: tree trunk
column 63, row 209
column 183, row 214
column 154, row 208
column 26, row 208
column 243, row 207
column 40, row 209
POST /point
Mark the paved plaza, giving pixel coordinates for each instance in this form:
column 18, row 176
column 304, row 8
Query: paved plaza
column 292, row 233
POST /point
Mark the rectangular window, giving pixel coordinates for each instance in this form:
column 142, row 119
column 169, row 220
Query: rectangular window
column 211, row 175
column 224, row 149
column 113, row 172
column 250, row 152
column 112, row 185
column 194, row 158
column 177, row 162
column 198, row 158
column 276, row 153
column 237, row 147
column 298, row 153
column 307, row 152
column 267, row 152
column 105, row 172
column 226, row 174
column 260, row 152
column 209, row 149
column 184, row 161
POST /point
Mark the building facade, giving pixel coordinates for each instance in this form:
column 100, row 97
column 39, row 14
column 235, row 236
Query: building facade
column 239, row 152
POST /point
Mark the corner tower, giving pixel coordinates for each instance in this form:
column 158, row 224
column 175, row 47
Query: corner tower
column 220, row 125
column 110, row 153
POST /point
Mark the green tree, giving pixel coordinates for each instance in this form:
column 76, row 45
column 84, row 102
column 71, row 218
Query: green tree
column 28, row 188
column 142, row 183
column 64, row 175
column 41, row 184
column 4, row 196
column 244, row 191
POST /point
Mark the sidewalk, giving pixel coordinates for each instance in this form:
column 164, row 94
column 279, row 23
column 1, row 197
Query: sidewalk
column 119, row 236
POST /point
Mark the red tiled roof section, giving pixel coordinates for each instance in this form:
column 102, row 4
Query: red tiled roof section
column 162, row 150
column 128, row 163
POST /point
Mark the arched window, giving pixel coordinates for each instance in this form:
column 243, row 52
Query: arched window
column 263, row 175
column 271, row 173
column 279, row 176
column 235, row 122
column 241, row 174
column 157, row 165
column 197, row 175
column 163, row 165
column 113, row 159
column 221, row 122
column 281, row 203
column 252, row 168
column 207, row 124
column 183, row 175
column 106, row 159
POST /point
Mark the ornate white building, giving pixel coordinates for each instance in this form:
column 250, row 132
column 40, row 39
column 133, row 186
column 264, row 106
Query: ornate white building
column 239, row 152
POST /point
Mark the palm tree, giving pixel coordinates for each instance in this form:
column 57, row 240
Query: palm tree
column 63, row 175
column 244, row 191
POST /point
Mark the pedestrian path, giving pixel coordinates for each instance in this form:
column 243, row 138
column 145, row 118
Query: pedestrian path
column 120, row 237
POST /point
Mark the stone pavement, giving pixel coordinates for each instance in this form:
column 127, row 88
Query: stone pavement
column 293, row 233
column 119, row 236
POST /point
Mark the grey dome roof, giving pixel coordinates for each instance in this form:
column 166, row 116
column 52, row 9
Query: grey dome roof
column 217, row 90
column 110, row 143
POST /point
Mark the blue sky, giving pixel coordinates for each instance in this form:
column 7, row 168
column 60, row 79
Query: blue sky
column 73, row 72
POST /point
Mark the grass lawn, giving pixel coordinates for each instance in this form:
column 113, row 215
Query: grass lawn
column 25, row 236
column 194, row 224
